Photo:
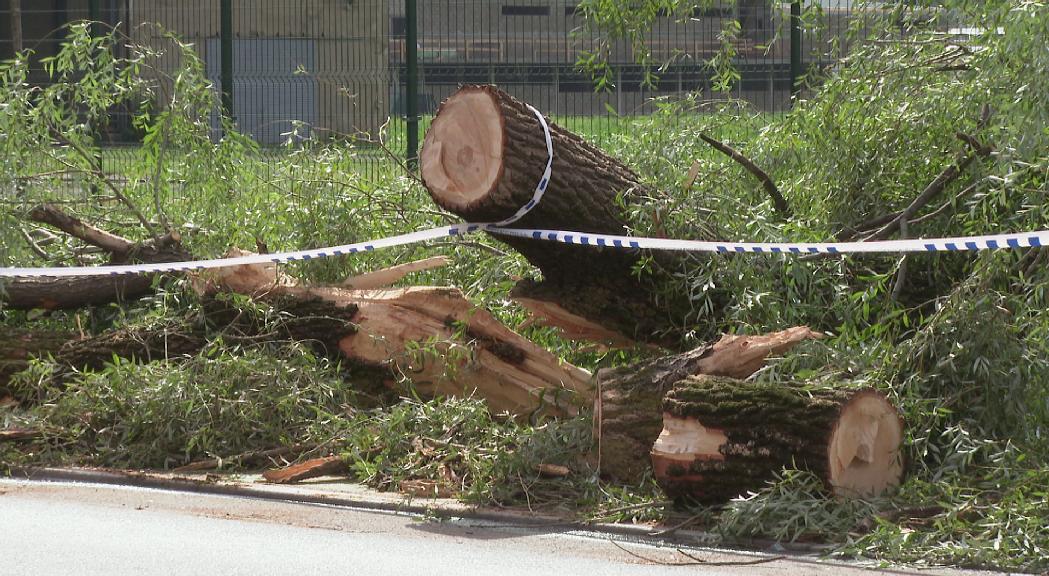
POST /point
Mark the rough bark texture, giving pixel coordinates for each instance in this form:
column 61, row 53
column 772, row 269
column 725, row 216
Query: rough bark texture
column 67, row 293
column 762, row 428
column 17, row 346
column 436, row 339
column 585, row 194
column 629, row 411
column 77, row 292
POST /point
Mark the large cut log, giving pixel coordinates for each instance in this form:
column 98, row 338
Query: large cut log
column 723, row 437
column 436, row 340
column 482, row 159
column 628, row 413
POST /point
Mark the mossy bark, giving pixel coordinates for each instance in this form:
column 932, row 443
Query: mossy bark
column 629, row 413
column 768, row 426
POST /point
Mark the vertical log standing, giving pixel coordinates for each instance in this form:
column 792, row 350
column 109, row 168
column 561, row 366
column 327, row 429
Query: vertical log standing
column 482, row 159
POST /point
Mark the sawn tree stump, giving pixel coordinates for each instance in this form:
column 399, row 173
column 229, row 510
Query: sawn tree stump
column 723, row 437
column 482, row 159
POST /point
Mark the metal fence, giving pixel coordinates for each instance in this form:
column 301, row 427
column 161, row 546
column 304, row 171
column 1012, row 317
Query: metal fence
column 358, row 68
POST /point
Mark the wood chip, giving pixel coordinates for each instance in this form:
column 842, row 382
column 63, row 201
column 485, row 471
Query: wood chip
column 553, row 470
column 425, row 489
column 305, row 470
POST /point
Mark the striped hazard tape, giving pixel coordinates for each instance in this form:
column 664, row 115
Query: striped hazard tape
column 955, row 244
column 960, row 243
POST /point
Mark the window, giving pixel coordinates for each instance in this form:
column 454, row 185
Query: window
column 398, row 25
column 512, row 10
column 572, row 11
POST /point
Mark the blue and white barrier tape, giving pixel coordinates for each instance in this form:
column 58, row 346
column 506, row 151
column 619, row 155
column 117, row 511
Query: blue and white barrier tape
column 955, row 244
column 961, row 243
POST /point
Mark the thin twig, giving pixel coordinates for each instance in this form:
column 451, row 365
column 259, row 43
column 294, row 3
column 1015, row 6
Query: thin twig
column 935, row 188
column 696, row 561
column 679, row 525
column 213, row 463
column 628, row 508
column 32, row 244
column 778, row 200
column 98, row 173
column 901, row 270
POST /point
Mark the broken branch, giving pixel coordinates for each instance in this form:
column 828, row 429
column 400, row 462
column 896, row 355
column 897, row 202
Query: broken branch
column 778, row 200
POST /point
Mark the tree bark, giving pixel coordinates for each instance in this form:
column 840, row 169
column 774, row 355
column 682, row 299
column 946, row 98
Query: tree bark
column 429, row 338
column 482, row 159
column 628, row 414
column 723, row 437
column 18, row 345
column 77, row 292
column 436, row 340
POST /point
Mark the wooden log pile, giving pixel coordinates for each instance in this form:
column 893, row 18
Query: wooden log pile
column 691, row 418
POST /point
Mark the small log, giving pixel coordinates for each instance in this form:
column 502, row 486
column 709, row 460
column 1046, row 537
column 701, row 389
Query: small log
column 13, row 434
column 482, row 159
column 723, row 437
column 314, row 468
column 387, row 276
column 628, row 413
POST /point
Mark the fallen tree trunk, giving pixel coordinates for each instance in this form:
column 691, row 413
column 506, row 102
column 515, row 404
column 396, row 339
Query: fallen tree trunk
column 77, row 292
column 18, row 346
column 430, row 337
column 628, row 413
column 723, row 437
column 436, row 339
column 483, row 157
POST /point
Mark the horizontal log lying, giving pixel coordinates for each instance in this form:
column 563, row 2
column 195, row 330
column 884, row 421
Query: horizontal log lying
column 482, row 159
column 723, row 437
column 629, row 413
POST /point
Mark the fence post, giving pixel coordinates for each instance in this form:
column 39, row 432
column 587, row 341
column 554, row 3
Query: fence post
column 94, row 14
column 411, row 56
column 226, row 42
column 795, row 47
column 16, row 26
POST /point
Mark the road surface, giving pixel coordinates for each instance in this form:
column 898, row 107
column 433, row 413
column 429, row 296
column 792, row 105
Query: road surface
column 83, row 529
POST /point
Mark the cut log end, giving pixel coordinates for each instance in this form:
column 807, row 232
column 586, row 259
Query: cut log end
column 462, row 154
column 864, row 448
column 723, row 437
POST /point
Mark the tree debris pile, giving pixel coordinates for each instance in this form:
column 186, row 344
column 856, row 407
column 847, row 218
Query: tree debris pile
column 925, row 135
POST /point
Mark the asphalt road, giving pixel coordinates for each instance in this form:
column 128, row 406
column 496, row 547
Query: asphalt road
column 83, row 529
